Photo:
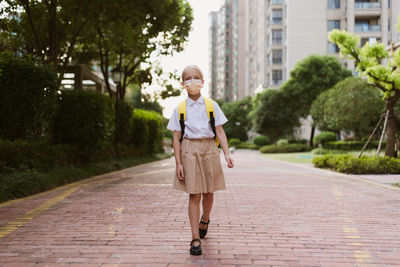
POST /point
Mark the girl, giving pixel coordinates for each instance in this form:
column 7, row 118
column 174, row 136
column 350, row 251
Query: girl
column 198, row 164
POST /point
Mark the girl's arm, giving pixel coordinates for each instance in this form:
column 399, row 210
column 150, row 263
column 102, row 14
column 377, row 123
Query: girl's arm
column 224, row 144
column 177, row 152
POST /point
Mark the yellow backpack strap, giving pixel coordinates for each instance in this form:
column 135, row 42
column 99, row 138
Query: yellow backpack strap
column 182, row 117
column 211, row 115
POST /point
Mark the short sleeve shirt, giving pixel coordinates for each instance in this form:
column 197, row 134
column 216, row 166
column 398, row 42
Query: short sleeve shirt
column 197, row 123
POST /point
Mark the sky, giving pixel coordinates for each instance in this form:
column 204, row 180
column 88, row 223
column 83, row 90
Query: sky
column 195, row 52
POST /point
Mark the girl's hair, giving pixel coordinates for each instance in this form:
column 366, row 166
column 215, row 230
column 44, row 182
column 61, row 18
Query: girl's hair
column 192, row 67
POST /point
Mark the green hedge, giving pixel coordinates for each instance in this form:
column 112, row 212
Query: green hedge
column 352, row 145
column 261, row 140
column 147, row 130
column 247, row 145
column 234, row 142
column 285, row 148
column 323, row 138
column 27, row 99
column 363, row 165
column 85, row 119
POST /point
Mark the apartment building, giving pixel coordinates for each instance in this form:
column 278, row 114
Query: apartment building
column 226, row 46
column 273, row 35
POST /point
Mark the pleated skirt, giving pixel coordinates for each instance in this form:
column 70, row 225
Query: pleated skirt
column 201, row 166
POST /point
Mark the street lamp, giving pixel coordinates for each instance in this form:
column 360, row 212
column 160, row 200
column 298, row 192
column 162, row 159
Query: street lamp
column 116, row 75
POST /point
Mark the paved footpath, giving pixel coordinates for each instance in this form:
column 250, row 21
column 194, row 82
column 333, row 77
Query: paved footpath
column 272, row 214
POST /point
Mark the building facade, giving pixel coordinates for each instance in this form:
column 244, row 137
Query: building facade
column 264, row 39
column 226, row 47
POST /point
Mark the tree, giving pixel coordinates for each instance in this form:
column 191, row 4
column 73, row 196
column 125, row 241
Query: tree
column 273, row 114
column 46, row 30
column 310, row 77
column 369, row 61
column 238, row 121
column 351, row 105
column 129, row 33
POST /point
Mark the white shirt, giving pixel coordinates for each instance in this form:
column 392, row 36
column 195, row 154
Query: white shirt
column 197, row 123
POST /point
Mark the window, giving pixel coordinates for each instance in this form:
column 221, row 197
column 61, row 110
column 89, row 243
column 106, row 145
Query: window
column 276, row 16
column 333, row 48
column 333, row 24
column 276, row 36
column 276, row 77
column 227, row 59
column 333, row 4
column 276, row 56
column 226, row 75
column 276, row 2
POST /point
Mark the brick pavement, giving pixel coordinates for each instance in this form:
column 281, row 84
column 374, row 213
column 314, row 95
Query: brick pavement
column 272, row 214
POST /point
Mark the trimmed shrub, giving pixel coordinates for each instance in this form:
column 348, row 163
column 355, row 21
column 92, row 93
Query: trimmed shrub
column 363, row 165
column 261, row 140
column 234, row 142
column 282, row 142
column 285, row 148
column 125, row 122
column 23, row 154
column 247, row 145
column 323, row 138
column 147, row 130
column 352, row 145
column 27, row 99
column 85, row 119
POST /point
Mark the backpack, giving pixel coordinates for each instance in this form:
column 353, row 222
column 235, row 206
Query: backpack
column 210, row 112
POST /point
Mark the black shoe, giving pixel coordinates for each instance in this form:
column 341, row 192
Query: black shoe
column 203, row 232
column 195, row 250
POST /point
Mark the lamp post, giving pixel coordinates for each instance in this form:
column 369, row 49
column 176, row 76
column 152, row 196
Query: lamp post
column 116, row 74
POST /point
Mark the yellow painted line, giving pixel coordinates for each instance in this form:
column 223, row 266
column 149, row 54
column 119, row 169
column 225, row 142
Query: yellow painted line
column 21, row 220
column 356, row 244
column 337, row 173
column 350, row 230
column 352, row 236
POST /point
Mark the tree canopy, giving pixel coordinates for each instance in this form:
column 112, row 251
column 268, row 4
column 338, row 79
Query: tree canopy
column 352, row 105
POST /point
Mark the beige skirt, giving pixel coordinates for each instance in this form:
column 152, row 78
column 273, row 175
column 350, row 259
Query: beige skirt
column 201, row 166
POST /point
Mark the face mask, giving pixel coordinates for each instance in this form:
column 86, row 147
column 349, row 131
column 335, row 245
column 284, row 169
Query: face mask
column 193, row 86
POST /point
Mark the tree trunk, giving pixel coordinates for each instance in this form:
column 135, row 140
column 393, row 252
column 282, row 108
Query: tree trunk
column 391, row 128
column 312, row 136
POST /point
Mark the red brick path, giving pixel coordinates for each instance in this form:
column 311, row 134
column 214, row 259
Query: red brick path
column 272, row 214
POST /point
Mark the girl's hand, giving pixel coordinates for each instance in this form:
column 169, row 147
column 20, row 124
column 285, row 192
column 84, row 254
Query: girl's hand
column 179, row 172
column 229, row 160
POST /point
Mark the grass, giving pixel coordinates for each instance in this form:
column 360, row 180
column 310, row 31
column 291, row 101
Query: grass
column 297, row 157
column 17, row 184
column 307, row 157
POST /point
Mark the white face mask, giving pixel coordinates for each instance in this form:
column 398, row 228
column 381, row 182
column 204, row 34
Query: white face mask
column 193, row 86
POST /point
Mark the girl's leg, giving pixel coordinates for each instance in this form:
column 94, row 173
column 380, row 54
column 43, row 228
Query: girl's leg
column 208, row 199
column 194, row 215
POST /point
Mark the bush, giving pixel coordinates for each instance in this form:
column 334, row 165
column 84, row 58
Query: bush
column 125, row 122
column 285, row 148
column 85, row 119
column 323, row 138
column 282, row 142
column 147, row 131
column 234, row 142
column 247, row 145
column 23, row 154
column 352, row 145
column 261, row 140
column 363, row 165
column 27, row 99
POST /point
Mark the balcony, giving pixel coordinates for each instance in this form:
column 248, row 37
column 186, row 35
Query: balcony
column 367, row 9
column 367, row 5
column 360, row 28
